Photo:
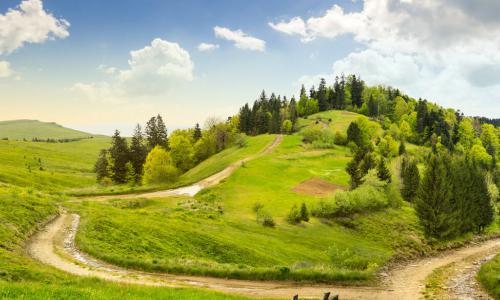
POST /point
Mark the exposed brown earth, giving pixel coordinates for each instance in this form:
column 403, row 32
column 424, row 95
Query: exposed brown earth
column 317, row 187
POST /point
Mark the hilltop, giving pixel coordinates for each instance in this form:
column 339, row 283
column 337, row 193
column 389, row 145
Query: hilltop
column 30, row 129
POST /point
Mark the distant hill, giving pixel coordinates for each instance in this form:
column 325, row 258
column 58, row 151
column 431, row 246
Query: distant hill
column 33, row 129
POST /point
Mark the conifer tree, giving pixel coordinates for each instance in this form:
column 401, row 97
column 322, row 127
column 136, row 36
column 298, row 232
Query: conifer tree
column 372, row 107
column 197, row 131
column 304, row 213
column 322, row 96
column 138, row 152
column 433, row 205
column 402, row 147
column 383, row 172
column 410, row 178
column 119, row 155
column 101, row 166
column 156, row 133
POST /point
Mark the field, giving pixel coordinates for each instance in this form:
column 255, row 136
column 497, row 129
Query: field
column 28, row 129
column 218, row 232
column 489, row 276
column 23, row 278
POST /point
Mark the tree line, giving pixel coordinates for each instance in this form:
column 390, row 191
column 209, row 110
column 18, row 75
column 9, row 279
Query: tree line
column 154, row 156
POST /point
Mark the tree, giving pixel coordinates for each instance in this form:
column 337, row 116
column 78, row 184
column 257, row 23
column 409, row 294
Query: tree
column 101, row 166
column 354, row 134
column 181, row 152
column 197, row 131
column 287, row 127
column 383, row 172
column 130, row 175
column 322, row 96
column 304, row 213
column 156, row 133
column 356, row 86
column 138, row 152
column 410, row 177
column 119, row 156
column 484, row 211
column 402, row 147
column 372, row 107
column 433, row 205
column 159, row 167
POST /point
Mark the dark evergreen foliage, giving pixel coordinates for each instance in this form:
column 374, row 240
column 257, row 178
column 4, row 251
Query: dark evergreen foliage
column 119, row 154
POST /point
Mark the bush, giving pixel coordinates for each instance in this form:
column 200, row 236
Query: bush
column 318, row 137
column 340, row 139
column 370, row 196
column 263, row 217
column 347, row 258
column 294, row 216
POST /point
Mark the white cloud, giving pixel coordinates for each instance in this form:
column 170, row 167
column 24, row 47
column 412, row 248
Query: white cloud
column 207, row 47
column 107, row 70
column 29, row 23
column 5, row 70
column 153, row 70
column 444, row 50
column 241, row 40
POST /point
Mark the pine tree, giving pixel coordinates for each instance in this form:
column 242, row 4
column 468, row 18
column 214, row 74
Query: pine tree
column 484, row 211
column 372, row 107
column 119, row 155
column 410, row 178
column 322, row 96
column 354, row 134
column 292, row 111
column 356, row 86
column 304, row 213
column 101, row 167
column 138, row 152
column 402, row 147
column 433, row 205
column 156, row 133
column 197, row 131
column 383, row 172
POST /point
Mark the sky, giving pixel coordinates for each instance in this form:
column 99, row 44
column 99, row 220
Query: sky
column 99, row 65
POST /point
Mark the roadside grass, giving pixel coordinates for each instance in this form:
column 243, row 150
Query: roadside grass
column 489, row 276
column 210, row 166
column 217, row 233
column 23, row 278
column 28, row 129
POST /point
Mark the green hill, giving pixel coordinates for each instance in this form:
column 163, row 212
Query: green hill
column 29, row 129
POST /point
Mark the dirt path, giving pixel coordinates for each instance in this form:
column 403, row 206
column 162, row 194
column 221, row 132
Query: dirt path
column 191, row 190
column 463, row 285
column 55, row 246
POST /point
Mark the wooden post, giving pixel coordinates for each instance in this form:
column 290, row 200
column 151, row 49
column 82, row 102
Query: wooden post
column 296, row 297
column 336, row 297
column 326, row 296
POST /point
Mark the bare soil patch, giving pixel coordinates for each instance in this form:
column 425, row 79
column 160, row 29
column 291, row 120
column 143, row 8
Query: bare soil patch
column 317, row 187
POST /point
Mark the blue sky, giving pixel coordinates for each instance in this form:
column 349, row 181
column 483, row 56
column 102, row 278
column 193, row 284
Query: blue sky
column 82, row 73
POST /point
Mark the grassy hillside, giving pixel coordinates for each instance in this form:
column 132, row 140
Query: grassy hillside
column 50, row 166
column 28, row 129
column 24, row 278
column 337, row 120
column 218, row 234
column 489, row 276
column 210, row 166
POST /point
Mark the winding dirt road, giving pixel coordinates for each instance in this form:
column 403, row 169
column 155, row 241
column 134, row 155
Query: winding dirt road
column 191, row 190
column 55, row 246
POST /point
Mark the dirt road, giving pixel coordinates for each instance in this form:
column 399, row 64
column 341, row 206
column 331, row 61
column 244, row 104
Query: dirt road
column 191, row 190
column 55, row 246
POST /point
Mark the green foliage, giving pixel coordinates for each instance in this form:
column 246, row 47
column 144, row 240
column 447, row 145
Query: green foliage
column 304, row 213
column 156, row 133
column 101, row 167
column 410, row 177
column 181, row 150
column 138, row 153
column 370, row 196
column 159, row 167
column 287, row 127
column 383, row 172
column 488, row 276
column 294, row 215
column 433, row 205
column 119, row 157
column 341, row 139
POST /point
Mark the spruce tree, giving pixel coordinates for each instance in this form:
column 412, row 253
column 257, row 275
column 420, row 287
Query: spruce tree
column 372, row 107
column 354, row 134
column 433, row 205
column 119, row 154
column 383, row 172
column 138, row 152
column 483, row 213
column 410, row 178
column 304, row 213
column 197, row 131
column 322, row 96
column 156, row 133
column 101, row 167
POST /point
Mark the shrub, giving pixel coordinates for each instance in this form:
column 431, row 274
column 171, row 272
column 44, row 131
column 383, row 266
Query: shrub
column 294, row 216
column 370, row 196
column 241, row 140
column 340, row 139
column 311, row 134
column 304, row 213
column 347, row 258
